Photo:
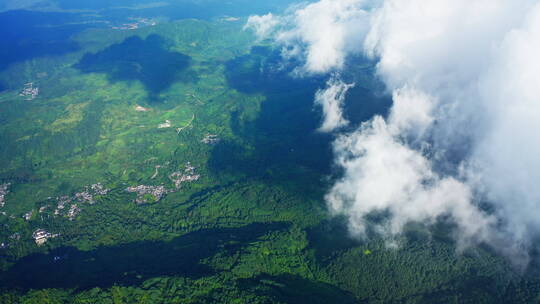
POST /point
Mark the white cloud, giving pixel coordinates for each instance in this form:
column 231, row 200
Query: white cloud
column 383, row 173
column 507, row 148
column 466, row 91
column 331, row 100
column 263, row 26
column 321, row 34
column 476, row 59
column 411, row 112
column 327, row 30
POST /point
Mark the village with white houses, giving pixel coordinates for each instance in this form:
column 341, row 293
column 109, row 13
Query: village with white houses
column 210, row 139
column 188, row 175
column 70, row 206
column 137, row 23
column 67, row 206
column 156, row 193
column 30, row 92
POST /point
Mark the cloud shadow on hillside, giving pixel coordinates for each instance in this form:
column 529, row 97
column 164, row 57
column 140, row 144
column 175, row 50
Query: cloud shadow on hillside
column 145, row 60
column 285, row 146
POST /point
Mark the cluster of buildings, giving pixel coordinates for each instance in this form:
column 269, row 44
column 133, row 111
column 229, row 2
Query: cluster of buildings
column 71, row 203
column 29, row 91
column 99, row 189
column 136, row 24
column 69, row 206
column 41, row 236
column 73, row 211
column 86, row 196
column 4, row 190
column 157, row 192
column 210, row 139
column 188, row 175
column 62, row 202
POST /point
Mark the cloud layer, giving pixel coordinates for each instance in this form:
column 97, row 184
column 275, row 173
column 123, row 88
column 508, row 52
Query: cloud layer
column 464, row 75
column 385, row 174
column 320, row 34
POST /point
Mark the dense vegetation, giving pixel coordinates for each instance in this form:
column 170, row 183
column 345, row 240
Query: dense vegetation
column 225, row 139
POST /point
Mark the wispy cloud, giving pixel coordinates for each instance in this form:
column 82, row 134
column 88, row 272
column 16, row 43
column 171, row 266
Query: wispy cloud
column 263, row 26
column 331, row 101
